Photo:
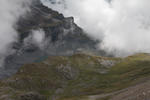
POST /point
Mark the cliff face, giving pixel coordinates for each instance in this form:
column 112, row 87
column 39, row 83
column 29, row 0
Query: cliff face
column 61, row 37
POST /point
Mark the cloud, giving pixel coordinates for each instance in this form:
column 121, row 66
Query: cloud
column 37, row 38
column 123, row 26
column 10, row 11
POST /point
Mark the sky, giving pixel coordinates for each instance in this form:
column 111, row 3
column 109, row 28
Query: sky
column 123, row 26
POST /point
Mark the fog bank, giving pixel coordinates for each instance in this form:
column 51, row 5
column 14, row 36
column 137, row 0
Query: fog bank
column 123, row 26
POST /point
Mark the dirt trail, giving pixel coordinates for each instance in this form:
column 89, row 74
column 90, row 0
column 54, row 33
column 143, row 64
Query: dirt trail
column 140, row 91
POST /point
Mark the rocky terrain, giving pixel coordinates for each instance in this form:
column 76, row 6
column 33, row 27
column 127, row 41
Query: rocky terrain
column 80, row 77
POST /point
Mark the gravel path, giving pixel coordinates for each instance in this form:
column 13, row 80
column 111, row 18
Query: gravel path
column 140, row 91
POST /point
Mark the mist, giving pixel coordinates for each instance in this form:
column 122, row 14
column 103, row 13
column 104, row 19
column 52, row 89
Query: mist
column 123, row 26
column 10, row 11
column 37, row 38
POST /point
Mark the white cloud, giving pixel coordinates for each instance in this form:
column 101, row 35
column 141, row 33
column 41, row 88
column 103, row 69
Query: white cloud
column 36, row 37
column 122, row 25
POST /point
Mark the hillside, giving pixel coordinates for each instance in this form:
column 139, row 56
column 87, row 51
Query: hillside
column 79, row 77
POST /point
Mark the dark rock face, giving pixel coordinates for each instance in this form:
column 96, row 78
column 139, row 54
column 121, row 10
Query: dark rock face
column 32, row 96
column 62, row 37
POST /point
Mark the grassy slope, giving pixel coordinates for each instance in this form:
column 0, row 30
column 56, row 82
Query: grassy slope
column 50, row 77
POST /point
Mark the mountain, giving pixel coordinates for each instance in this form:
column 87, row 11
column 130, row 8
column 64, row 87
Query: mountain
column 66, row 65
column 61, row 37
